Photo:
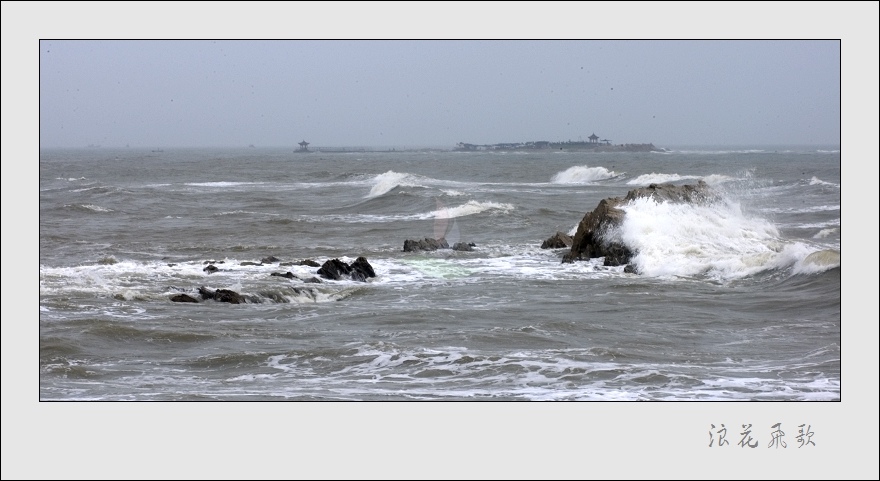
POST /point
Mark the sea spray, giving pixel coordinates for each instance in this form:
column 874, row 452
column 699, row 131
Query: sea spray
column 717, row 239
column 581, row 174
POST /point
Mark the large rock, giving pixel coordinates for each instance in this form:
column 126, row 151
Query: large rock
column 592, row 240
column 558, row 241
column 426, row 244
column 361, row 269
column 335, row 269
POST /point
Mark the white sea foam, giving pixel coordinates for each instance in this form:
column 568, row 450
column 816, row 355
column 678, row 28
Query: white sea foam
column 470, row 208
column 825, row 233
column 384, row 183
column 655, row 178
column 581, row 174
column 716, row 240
column 816, row 181
column 96, row 208
column 803, row 210
column 220, row 184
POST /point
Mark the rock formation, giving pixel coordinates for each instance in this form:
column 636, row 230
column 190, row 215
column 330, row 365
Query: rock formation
column 426, row 244
column 335, row 269
column 592, row 240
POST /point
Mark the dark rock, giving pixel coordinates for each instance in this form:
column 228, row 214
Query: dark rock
column 183, row 298
column 171, row 265
column 312, row 280
column 309, row 262
column 206, row 293
column 225, row 295
column 558, row 241
column 334, row 269
column 426, row 244
column 287, row 274
column 269, row 260
column 213, row 262
column 211, row 269
column 593, row 237
column 361, row 269
column 285, row 264
column 630, row 269
column 249, row 263
column 461, row 246
column 221, row 295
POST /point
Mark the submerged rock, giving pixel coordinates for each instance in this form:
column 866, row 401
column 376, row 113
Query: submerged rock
column 426, row 244
column 183, row 298
column 221, row 295
column 592, row 238
column 287, row 274
column 211, row 269
column 269, row 260
column 462, row 246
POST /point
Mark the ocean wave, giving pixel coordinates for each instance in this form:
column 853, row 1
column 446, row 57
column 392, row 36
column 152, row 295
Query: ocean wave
column 87, row 208
column 815, row 262
column 470, row 208
column 716, row 240
column 802, row 210
column 553, row 374
column 817, row 181
column 582, row 174
column 243, row 212
column 825, row 233
column 655, row 178
column 384, row 183
column 221, row 184
column 720, row 152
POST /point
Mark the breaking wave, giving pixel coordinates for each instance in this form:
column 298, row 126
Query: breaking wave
column 581, row 174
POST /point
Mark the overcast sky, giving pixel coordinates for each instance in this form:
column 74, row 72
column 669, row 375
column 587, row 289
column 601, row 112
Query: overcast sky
column 411, row 93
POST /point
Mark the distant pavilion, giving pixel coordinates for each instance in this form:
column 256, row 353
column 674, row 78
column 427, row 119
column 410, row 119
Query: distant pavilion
column 303, row 146
column 594, row 139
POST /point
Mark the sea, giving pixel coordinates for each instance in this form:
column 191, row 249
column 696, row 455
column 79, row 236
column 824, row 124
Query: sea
column 738, row 299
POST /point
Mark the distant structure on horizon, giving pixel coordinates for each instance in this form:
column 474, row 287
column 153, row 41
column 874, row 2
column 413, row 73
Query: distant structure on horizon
column 303, row 146
column 593, row 143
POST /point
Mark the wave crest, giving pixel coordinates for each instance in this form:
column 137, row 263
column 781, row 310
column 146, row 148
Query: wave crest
column 384, row 183
column 581, row 174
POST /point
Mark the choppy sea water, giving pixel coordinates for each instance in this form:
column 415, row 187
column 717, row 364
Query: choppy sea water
column 736, row 300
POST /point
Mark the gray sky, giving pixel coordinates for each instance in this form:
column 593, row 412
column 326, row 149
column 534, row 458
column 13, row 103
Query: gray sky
column 411, row 93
